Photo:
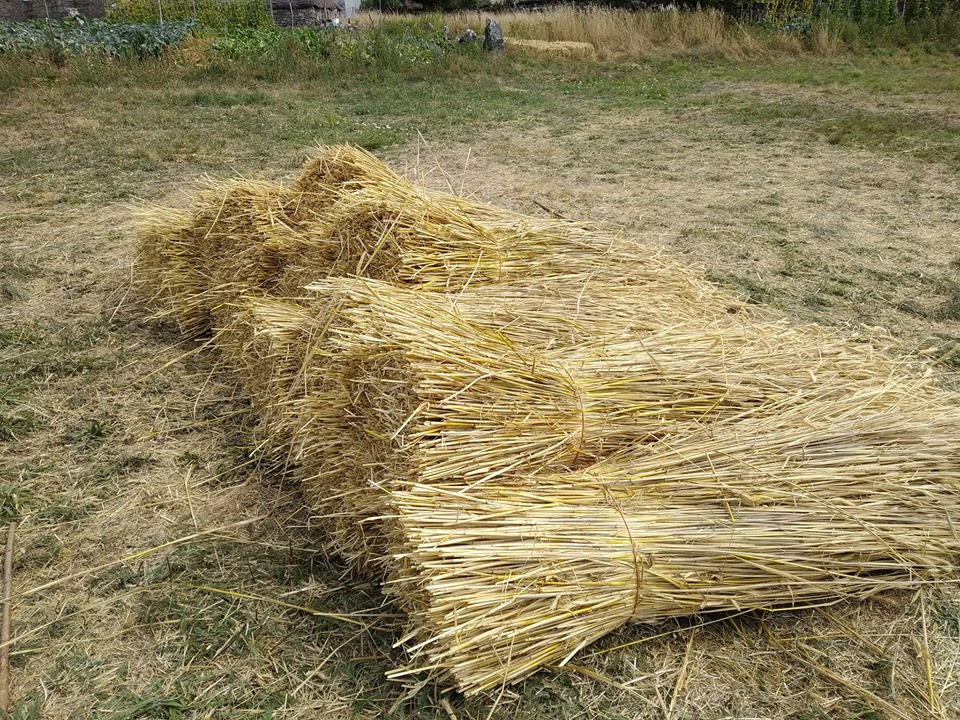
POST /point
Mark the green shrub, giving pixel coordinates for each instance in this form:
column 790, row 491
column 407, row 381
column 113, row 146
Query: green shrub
column 871, row 15
column 933, row 25
column 391, row 46
column 927, row 34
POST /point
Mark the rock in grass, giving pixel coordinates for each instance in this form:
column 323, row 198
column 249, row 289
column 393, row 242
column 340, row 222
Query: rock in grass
column 493, row 37
column 468, row 37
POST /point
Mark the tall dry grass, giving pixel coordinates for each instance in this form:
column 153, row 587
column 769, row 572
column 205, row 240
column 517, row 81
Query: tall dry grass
column 619, row 34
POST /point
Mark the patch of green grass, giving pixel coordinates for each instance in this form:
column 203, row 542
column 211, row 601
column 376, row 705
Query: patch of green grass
column 796, row 261
column 218, row 98
column 926, row 138
column 933, row 75
column 16, row 419
column 10, row 290
column 16, row 424
column 11, row 119
column 60, row 510
column 39, row 351
column 89, row 433
column 14, row 498
column 206, row 626
column 744, row 108
column 836, row 285
column 40, row 551
column 189, row 459
column 14, row 267
column 28, row 707
column 912, row 307
column 122, row 465
column 947, row 615
column 191, row 698
column 611, row 88
column 751, row 290
column 946, row 351
column 815, row 301
column 889, row 132
column 148, row 706
column 16, row 73
column 950, row 308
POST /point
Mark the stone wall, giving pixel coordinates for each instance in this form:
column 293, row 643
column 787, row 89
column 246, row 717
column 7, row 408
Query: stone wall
column 288, row 13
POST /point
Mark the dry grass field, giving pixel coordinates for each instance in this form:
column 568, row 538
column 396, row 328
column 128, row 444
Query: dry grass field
column 160, row 572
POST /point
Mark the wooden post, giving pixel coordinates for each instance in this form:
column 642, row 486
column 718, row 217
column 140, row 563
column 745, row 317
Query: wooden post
column 5, row 624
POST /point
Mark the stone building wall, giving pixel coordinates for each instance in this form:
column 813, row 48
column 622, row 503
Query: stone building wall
column 289, row 13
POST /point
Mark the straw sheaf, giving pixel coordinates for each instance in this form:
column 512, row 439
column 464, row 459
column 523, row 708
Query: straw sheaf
column 555, row 48
column 170, row 280
column 448, row 245
column 795, row 510
column 265, row 343
column 333, row 168
column 213, row 252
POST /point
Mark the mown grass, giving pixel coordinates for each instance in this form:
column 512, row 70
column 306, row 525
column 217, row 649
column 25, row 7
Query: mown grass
column 163, row 115
column 118, row 439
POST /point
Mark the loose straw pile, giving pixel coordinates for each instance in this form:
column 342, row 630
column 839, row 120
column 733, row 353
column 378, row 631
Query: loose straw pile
column 533, row 432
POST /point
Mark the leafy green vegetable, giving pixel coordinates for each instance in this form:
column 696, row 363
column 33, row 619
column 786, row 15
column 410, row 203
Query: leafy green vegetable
column 69, row 37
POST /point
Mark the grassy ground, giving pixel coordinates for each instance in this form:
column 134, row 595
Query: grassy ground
column 162, row 574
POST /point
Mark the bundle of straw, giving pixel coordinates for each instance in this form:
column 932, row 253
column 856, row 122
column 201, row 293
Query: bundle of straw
column 204, row 259
column 795, row 510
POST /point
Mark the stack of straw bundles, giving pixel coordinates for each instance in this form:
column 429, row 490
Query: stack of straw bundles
column 534, row 433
